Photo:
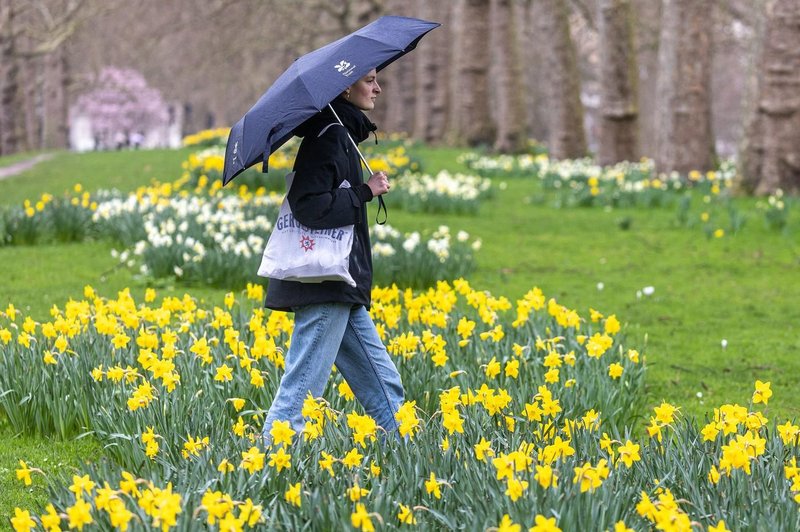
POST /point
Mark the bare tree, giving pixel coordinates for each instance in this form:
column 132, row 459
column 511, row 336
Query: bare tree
column 8, row 78
column 683, row 121
column 398, row 81
column 532, row 44
column 474, row 116
column 567, row 138
column 510, row 101
column 430, row 113
column 351, row 14
column 619, row 111
column 771, row 154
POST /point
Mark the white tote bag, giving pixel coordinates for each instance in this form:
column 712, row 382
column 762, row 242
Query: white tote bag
column 295, row 252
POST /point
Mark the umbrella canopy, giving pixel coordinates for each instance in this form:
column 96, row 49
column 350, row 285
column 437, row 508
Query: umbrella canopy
column 313, row 81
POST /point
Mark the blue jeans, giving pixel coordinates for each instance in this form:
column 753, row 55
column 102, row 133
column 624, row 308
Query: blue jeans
column 336, row 333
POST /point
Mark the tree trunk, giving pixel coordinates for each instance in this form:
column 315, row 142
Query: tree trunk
column 398, row 78
column 771, row 154
column 684, row 140
column 30, row 94
column 398, row 82
column 567, row 139
column 647, row 29
column 535, row 84
column 454, row 116
column 55, row 128
column 430, row 113
column 619, row 110
column 8, row 81
column 510, row 102
column 473, row 76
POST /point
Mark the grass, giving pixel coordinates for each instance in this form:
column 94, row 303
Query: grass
column 123, row 170
column 52, row 455
column 742, row 288
column 8, row 160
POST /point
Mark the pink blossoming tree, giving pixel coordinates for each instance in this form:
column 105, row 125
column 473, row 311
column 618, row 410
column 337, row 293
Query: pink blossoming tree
column 120, row 103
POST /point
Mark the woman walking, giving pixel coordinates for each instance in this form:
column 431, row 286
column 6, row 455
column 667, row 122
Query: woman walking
column 332, row 322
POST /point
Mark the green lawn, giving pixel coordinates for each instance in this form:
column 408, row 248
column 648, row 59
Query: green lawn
column 123, row 170
column 742, row 288
column 18, row 158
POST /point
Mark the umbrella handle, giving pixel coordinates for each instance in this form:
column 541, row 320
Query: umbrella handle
column 381, row 204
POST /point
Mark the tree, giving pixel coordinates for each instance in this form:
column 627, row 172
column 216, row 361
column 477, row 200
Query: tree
column 50, row 24
column 34, row 70
column 684, row 140
column 430, row 113
column 398, row 80
column 473, row 114
column 771, row 153
column 9, row 101
column 510, row 102
column 619, row 112
column 567, row 138
column 120, row 103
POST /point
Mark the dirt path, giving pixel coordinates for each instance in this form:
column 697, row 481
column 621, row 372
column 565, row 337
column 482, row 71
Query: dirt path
column 18, row 168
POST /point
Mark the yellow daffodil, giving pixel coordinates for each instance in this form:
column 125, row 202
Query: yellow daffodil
column 406, row 516
column 432, row 486
column 292, row 495
column 361, row 519
column 22, row 521
column 544, row 524
column 762, row 392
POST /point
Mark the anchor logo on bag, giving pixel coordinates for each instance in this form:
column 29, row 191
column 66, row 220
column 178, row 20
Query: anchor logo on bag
column 306, row 243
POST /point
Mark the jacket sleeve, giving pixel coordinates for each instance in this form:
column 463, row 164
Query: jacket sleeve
column 315, row 197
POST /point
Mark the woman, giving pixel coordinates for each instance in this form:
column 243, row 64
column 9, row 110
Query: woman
column 332, row 324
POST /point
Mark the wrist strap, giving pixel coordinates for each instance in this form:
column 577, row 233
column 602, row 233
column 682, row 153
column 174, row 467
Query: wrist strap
column 381, row 205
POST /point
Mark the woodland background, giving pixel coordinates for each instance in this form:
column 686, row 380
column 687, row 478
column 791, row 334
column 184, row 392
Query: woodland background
column 685, row 82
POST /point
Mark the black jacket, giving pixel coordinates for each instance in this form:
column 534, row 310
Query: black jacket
column 323, row 162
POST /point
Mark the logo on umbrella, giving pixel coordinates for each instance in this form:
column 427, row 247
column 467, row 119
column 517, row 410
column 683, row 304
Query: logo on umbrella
column 307, row 243
column 345, row 68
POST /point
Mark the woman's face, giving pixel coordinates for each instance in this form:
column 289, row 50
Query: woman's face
column 364, row 91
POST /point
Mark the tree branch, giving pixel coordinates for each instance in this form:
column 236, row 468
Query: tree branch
column 585, row 13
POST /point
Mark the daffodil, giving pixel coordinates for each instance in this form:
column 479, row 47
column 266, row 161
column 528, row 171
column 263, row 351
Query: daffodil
column 24, row 473
column 615, row 370
column 326, row 462
column 22, row 521
column 432, row 486
column 292, row 495
column 356, row 492
column 253, row 460
column 507, row 525
column 546, row 476
column 282, row 433
column 51, row 520
column 406, row 516
column 629, row 453
column 483, row 449
column 353, row 458
column 515, row 488
column 544, row 524
column 79, row 514
column 361, row 519
column 719, row 527
column 762, row 392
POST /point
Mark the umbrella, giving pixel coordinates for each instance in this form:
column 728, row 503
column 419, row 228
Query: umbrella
column 311, row 83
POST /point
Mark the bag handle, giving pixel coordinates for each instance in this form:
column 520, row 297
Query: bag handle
column 381, row 203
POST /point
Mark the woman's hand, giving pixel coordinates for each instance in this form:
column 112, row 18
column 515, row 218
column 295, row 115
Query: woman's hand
column 379, row 183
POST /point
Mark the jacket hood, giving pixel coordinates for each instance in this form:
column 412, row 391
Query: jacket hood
column 352, row 117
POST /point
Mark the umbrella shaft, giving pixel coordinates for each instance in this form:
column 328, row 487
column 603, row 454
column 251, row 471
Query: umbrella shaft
column 363, row 160
column 381, row 204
